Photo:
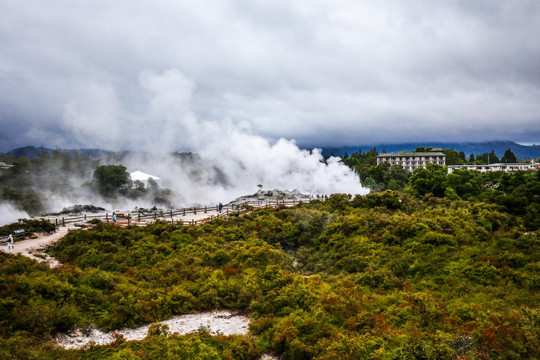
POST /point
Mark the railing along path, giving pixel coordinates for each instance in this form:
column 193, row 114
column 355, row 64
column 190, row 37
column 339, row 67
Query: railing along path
column 178, row 215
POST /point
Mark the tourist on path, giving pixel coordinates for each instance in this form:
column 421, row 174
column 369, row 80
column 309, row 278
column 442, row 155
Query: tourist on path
column 114, row 217
column 11, row 242
column 220, row 207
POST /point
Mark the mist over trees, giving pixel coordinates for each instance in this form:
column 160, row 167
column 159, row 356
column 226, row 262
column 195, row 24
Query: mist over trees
column 37, row 185
column 30, row 183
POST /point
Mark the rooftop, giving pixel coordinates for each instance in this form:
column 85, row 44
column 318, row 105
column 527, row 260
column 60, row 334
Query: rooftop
column 139, row 175
column 430, row 153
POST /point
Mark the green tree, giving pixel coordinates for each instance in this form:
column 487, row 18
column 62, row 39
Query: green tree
column 488, row 158
column 109, row 179
column 509, row 157
column 432, row 180
column 453, row 157
column 465, row 183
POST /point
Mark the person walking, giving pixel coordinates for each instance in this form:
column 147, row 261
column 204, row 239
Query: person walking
column 220, row 208
column 114, row 217
column 11, row 242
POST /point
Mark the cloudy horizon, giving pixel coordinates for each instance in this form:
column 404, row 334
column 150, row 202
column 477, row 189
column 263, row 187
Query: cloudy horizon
column 320, row 73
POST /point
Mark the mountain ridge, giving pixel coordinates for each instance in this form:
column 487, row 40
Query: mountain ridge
column 499, row 147
column 31, row 151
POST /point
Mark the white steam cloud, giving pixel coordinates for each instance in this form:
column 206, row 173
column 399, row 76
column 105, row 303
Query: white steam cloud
column 9, row 214
column 231, row 160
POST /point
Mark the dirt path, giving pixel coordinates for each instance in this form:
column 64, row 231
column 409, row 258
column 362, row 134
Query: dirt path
column 34, row 248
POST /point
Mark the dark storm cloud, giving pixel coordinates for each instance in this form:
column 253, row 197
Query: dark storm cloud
column 87, row 73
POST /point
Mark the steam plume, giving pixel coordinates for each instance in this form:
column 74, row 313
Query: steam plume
column 233, row 160
column 9, row 214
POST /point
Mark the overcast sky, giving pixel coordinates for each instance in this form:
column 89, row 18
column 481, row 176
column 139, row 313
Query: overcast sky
column 124, row 74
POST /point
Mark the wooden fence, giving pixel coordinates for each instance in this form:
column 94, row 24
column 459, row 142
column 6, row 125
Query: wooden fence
column 175, row 215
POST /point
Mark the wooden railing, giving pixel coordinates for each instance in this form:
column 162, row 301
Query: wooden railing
column 175, row 216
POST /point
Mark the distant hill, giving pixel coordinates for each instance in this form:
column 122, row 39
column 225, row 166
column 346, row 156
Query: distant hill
column 521, row 151
column 32, row 151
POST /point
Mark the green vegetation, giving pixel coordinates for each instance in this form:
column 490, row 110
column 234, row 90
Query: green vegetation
column 421, row 274
column 29, row 226
column 110, row 179
column 508, row 157
column 516, row 193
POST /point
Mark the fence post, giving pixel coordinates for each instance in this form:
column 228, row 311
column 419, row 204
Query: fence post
column 56, row 222
column 84, row 216
column 171, row 214
column 63, row 222
column 205, row 209
column 194, row 210
column 155, row 215
column 184, row 211
column 129, row 219
column 139, row 217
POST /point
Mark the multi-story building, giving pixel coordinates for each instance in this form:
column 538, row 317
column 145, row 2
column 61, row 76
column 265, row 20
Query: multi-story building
column 413, row 160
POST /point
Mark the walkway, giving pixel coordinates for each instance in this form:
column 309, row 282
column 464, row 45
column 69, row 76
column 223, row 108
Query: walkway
column 34, row 248
column 31, row 247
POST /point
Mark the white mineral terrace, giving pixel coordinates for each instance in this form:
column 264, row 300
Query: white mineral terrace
column 216, row 322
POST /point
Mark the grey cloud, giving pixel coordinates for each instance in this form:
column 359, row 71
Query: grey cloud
column 321, row 72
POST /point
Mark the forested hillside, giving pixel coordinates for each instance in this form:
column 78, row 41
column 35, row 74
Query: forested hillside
column 391, row 275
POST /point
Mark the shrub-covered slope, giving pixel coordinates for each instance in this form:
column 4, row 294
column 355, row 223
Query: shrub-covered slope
column 387, row 276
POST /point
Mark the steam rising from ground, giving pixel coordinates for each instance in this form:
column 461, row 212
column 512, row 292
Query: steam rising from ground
column 229, row 159
column 9, row 214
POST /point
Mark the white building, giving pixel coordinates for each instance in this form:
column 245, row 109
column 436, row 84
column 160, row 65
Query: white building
column 4, row 167
column 506, row 167
column 143, row 178
column 413, row 160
